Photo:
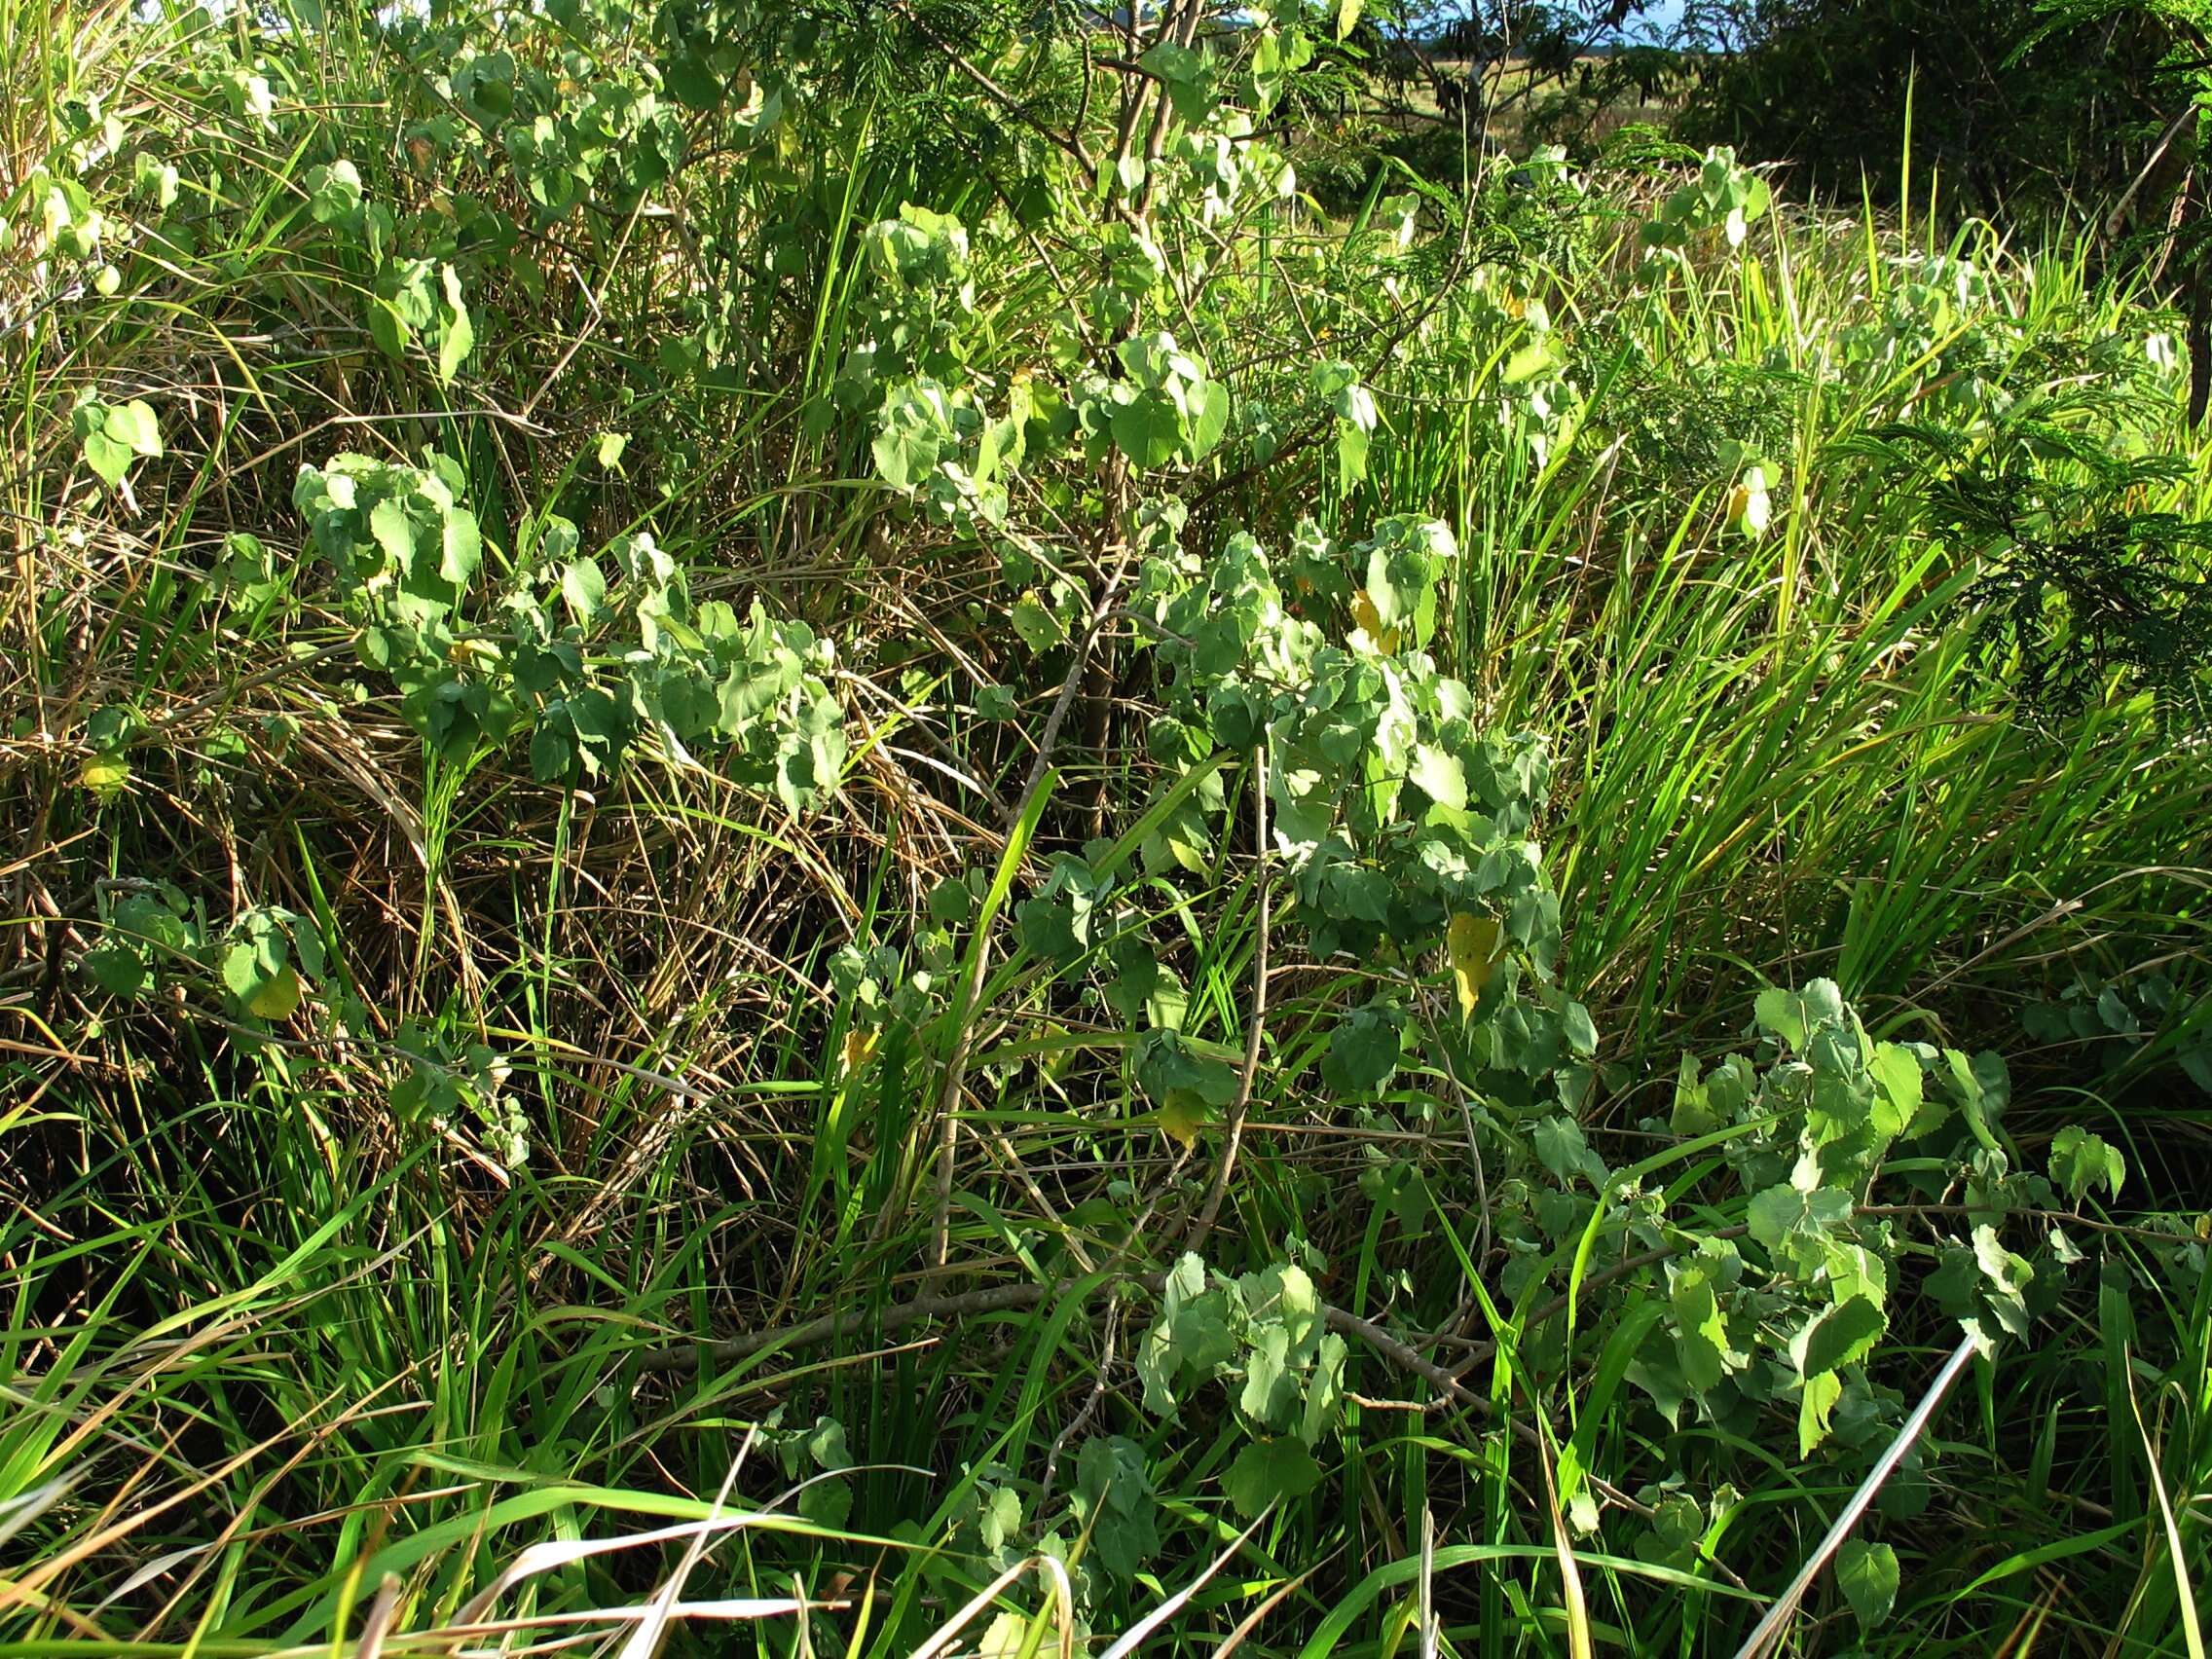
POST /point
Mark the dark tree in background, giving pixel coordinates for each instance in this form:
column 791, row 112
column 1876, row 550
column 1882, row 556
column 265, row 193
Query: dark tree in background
column 2097, row 113
column 1839, row 88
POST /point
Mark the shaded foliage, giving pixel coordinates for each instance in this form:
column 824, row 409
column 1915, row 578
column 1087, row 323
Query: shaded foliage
column 1875, row 93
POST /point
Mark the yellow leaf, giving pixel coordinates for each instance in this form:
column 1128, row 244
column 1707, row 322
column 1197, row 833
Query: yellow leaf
column 106, row 775
column 1750, row 508
column 1366, row 617
column 1471, row 942
column 1004, row 1638
column 1180, row 1116
column 859, row 1045
column 277, row 996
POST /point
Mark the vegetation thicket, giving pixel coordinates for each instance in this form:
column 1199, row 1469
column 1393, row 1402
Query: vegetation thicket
column 819, row 834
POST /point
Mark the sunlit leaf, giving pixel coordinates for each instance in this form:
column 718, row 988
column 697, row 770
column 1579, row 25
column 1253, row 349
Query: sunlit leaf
column 1471, row 945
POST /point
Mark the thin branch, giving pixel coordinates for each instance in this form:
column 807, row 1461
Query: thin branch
column 1082, row 1419
column 685, row 1356
column 1072, row 143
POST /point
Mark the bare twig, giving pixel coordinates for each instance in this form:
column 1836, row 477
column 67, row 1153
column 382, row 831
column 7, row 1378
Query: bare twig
column 1072, row 143
column 1090, row 1403
column 685, row 1356
column 520, row 422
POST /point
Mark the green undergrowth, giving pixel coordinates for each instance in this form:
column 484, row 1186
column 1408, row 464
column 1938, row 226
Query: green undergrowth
column 816, row 838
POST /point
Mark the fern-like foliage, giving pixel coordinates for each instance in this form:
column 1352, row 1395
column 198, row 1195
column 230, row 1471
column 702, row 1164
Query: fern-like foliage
column 2083, row 585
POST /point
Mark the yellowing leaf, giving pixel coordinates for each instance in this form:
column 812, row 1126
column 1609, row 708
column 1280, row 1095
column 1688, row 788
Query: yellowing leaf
column 277, row 997
column 1750, row 509
column 106, row 775
column 1180, row 1116
column 1366, row 618
column 1032, row 619
column 1003, row 1639
column 859, row 1045
column 1190, row 855
column 1471, row 941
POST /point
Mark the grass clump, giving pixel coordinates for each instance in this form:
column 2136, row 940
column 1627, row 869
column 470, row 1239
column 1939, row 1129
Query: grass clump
column 811, row 826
